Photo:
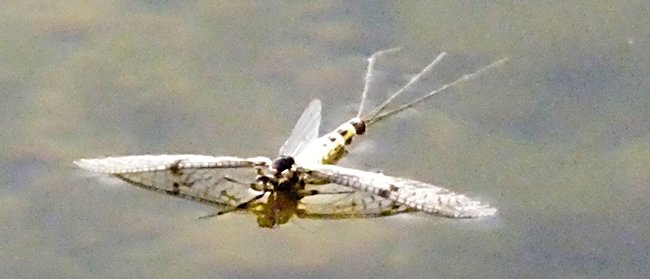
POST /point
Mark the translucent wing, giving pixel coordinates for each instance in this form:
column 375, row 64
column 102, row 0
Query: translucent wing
column 337, row 202
column 411, row 193
column 193, row 177
column 305, row 130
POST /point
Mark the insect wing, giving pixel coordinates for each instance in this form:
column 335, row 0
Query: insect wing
column 338, row 202
column 411, row 193
column 193, row 177
column 305, row 130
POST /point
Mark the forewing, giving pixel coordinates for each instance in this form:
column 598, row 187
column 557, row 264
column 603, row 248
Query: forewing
column 305, row 130
column 194, row 177
column 337, row 202
column 411, row 193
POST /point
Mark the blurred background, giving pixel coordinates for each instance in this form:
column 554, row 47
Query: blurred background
column 558, row 138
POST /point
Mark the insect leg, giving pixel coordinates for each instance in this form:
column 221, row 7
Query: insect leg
column 313, row 192
column 241, row 206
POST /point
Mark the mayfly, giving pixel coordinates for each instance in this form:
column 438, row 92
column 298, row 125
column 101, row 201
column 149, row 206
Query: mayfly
column 303, row 181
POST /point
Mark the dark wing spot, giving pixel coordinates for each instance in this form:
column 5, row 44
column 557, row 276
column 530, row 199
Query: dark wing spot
column 384, row 193
column 175, row 169
column 394, row 188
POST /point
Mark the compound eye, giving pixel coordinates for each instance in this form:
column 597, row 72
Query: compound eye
column 283, row 163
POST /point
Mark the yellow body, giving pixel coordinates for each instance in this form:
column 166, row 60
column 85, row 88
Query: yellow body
column 329, row 148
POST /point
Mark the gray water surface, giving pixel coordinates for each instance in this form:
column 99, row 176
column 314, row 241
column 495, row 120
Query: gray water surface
column 558, row 139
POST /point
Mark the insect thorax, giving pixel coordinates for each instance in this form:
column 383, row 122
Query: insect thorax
column 282, row 177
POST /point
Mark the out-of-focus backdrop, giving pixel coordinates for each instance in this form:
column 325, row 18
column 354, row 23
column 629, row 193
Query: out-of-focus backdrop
column 558, row 139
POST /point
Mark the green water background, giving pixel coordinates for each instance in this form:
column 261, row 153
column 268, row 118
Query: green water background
column 558, row 139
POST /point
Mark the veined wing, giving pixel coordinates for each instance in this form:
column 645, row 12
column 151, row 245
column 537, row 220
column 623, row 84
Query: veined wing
column 338, row 202
column 194, row 177
column 305, row 130
column 411, row 193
